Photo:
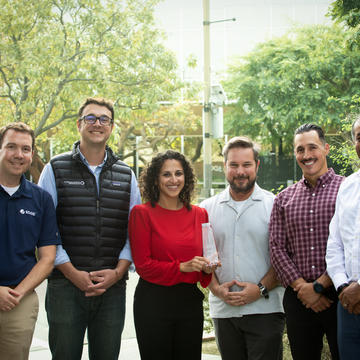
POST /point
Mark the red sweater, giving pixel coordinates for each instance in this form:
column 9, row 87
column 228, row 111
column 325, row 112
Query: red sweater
column 161, row 239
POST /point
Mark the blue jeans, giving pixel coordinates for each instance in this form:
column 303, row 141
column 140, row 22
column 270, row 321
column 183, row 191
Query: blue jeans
column 70, row 313
column 348, row 334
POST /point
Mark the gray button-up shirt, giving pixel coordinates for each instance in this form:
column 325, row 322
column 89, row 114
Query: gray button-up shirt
column 242, row 240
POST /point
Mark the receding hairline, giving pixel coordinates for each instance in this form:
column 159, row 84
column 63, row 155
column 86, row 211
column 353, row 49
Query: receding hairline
column 323, row 142
column 241, row 142
column 308, row 127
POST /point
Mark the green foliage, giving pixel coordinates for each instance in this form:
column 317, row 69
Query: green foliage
column 55, row 53
column 348, row 12
column 278, row 189
column 308, row 75
column 344, row 151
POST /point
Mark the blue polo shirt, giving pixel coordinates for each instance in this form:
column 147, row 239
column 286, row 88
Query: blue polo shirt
column 27, row 221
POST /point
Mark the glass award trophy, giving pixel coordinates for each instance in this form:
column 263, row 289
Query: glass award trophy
column 209, row 246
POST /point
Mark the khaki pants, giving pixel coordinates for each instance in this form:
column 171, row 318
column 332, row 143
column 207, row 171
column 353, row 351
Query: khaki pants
column 17, row 328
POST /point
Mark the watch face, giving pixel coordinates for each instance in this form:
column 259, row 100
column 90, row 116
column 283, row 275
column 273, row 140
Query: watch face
column 318, row 288
column 263, row 291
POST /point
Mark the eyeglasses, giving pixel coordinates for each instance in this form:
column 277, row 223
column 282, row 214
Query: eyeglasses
column 91, row 119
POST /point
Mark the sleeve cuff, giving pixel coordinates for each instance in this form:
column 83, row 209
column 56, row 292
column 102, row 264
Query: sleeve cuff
column 339, row 279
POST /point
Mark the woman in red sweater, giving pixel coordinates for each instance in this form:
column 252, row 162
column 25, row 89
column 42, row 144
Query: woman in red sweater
column 166, row 244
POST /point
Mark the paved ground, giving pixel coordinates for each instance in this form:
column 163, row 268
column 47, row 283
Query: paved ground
column 129, row 349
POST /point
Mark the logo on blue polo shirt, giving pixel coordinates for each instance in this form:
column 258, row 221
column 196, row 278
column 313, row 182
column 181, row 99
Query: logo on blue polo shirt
column 27, row 212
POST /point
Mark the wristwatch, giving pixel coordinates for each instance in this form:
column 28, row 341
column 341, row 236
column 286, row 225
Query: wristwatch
column 318, row 288
column 341, row 288
column 263, row 290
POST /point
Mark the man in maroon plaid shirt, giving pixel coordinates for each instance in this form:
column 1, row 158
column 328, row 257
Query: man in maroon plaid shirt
column 299, row 229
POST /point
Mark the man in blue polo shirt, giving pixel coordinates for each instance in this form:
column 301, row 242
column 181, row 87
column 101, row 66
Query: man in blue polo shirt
column 27, row 222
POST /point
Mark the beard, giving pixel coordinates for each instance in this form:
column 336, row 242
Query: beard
column 242, row 188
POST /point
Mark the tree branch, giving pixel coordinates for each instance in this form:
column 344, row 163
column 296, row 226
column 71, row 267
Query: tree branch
column 8, row 85
column 55, row 123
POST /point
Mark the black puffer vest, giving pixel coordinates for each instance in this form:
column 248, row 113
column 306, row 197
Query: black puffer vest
column 93, row 226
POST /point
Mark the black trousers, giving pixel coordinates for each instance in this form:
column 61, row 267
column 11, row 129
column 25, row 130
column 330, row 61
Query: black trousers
column 250, row 337
column 168, row 321
column 306, row 328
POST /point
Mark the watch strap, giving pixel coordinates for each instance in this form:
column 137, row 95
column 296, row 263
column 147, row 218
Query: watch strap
column 341, row 288
column 263, row 290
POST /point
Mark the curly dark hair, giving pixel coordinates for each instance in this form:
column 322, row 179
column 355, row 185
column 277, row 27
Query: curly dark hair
column 149, row 178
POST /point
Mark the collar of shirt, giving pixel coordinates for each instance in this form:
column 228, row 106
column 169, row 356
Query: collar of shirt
column 97, row 169
column 256, row 195
column 24, row 189
column 322, row 180
column 83, row 159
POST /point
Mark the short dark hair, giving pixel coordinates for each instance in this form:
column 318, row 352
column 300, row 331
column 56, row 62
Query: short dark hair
column 354, row 124
column 97, row 101
column 149, row 178
column 311, row 127
column 20, row 127
column 241, row 142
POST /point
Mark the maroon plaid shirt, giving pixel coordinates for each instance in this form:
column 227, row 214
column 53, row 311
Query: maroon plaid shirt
column 299, row 228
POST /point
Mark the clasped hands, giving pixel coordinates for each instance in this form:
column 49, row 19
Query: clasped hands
column 94, row 283
column 249, row 293
column 350, row 298
column 199, row 263
column 311, row 299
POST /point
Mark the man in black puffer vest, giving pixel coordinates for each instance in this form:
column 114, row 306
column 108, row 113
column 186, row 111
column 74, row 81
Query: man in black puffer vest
column 93, row 192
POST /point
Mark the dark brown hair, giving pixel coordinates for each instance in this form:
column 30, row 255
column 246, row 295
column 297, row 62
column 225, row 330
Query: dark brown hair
column 311, row 127
column 98, row 101
column 241, row 142
column 20, row 127
column 149, row 178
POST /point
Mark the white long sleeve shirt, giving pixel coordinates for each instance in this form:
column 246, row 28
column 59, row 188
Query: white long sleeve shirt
column 343, row 248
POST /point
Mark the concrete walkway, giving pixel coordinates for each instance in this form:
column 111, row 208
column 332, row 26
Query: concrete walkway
column 129, row 349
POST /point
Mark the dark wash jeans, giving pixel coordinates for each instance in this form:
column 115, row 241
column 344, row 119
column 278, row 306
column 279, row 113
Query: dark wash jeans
column 348, row 334
column 70, row 313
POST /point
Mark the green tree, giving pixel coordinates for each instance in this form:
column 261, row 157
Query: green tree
column 54, row 53
column 308, row 75
column 348, row 12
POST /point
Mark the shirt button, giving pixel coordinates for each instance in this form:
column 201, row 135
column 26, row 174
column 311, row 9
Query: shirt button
column 313, row 267
column 313, row 194
column 323, row 185
column 312, row 248
column 311, row 211
column 311, row 229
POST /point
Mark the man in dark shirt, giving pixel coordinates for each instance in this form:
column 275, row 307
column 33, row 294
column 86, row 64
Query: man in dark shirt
column 299, row 229
column 27, row 222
